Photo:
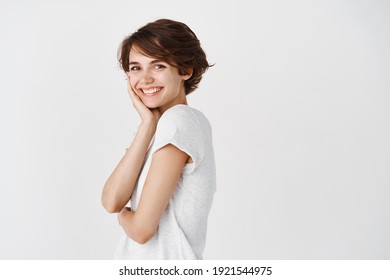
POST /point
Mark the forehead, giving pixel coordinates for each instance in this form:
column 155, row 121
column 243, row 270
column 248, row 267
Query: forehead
column 136, row 55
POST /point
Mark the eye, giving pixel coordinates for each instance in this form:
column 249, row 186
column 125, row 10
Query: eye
column 135, row 68
column 159, row 66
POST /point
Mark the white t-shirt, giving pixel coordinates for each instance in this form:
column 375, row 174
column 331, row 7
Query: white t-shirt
column 181, row 233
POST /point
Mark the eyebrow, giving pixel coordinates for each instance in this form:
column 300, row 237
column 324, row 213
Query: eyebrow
column 152, row 62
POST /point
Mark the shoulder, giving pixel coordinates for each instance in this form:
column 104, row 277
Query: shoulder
column 183, row 111
column 182, row 116
column 187, row 129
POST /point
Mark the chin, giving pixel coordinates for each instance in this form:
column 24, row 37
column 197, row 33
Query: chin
column 152, row 106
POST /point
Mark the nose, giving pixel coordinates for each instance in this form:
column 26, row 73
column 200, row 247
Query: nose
column 146, row 77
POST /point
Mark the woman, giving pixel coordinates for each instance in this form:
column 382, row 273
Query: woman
column 168, row 172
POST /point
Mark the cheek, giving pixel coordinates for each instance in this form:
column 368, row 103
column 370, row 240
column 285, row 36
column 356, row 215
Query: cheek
column 173, row 81
column 133, row 81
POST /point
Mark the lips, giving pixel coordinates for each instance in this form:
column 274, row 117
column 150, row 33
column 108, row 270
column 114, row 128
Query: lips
column 151, row 91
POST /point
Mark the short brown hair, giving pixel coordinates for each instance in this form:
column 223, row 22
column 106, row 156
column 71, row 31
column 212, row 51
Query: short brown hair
column 170, row 41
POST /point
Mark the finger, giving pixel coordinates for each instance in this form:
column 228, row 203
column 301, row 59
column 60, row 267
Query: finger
column 134, row 97
column 130, row 90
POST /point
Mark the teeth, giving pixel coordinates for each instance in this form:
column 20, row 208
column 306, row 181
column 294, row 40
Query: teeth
column 151, row 90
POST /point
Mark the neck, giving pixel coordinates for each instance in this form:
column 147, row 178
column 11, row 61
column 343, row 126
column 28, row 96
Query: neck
column 182, row 99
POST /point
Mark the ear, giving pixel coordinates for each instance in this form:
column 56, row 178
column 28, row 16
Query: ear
column 188, row 74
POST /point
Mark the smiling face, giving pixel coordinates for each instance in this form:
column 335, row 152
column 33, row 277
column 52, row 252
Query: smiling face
column 157, row 83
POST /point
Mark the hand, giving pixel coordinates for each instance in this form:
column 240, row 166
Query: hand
column 148, row 116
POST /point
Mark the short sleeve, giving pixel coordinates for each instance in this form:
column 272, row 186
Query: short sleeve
column 181, row 127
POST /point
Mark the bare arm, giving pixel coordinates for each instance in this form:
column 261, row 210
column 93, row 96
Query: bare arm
column 119, row 187
column 164, row 173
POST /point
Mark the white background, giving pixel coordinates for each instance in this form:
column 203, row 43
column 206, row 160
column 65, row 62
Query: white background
column 298, row 99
